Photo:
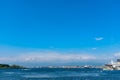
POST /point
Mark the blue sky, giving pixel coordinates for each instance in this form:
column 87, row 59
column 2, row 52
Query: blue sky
column 70, row 27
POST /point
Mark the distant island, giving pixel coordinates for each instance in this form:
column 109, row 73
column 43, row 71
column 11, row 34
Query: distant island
column 5, row 66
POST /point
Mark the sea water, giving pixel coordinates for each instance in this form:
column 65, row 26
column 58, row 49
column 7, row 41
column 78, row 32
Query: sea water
column 58, row 74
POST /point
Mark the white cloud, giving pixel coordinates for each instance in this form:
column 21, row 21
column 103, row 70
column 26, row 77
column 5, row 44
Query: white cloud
column 48, row 57
column 99, row 38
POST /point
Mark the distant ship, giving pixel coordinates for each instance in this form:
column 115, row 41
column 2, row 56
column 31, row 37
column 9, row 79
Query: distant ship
column 112, row 65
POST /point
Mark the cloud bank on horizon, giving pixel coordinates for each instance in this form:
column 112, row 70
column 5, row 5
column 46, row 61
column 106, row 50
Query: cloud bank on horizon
column 56, row 57
column 48, row 56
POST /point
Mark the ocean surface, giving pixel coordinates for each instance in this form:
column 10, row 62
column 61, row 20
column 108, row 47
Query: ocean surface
column 58, row 74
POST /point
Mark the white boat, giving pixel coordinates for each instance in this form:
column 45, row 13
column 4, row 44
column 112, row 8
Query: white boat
column 112, row 65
